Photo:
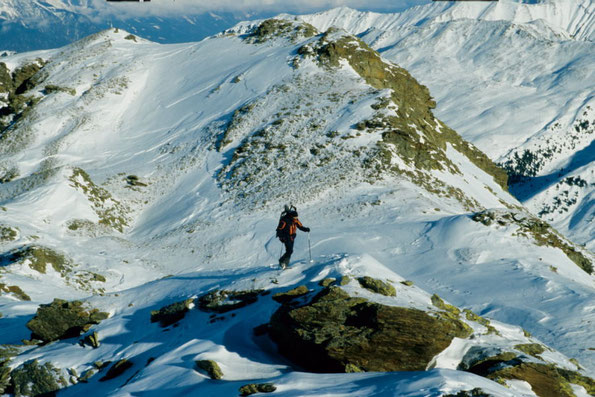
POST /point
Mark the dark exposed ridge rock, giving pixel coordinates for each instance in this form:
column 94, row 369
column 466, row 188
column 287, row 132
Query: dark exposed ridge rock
column 117, row 369
column 377, row 286
column 171, row 314
column 254, row 388
column 285, row 297
column 62, row 319
column 221, row 301
column 335, row 332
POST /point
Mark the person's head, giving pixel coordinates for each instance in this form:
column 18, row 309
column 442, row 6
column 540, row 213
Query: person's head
column 293, row 213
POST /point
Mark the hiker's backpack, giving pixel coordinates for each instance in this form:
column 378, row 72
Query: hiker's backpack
column 287, row 218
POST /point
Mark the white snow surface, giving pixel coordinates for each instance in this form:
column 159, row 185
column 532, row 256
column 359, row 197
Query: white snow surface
column 157, row 111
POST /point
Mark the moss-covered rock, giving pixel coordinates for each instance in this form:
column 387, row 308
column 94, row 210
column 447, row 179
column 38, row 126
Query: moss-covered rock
column 34, row 379
column 15, row 290
column 172, row 313
column 288, row 296
column 62, row 319
column 211, row 368
column 277, row 28
column 335, row 329
column 327, row 282
column 533, row 349
column 221, row 301
column 377, row 286
column 254, row 388
column 117, row 369
column 92, row 340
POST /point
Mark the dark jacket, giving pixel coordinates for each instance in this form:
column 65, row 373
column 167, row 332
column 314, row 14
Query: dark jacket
column 288, row 225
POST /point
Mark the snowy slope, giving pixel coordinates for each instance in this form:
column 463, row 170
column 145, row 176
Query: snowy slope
column 513, row 78
column 217, row 145
column 32, row 24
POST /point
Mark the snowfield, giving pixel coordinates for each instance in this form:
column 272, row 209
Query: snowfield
column 161, row 177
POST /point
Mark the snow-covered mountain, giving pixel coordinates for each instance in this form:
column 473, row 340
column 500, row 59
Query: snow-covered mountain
column 28, row 25
column 138, row 175
column 514, row 78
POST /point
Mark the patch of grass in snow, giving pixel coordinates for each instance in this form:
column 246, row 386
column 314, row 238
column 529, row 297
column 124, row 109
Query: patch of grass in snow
column 8, row 233
column 110, row 211
column 542, row 233
column 37, row 258
column 15, row 290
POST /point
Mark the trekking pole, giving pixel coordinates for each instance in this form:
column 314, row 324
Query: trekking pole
column 309, row 247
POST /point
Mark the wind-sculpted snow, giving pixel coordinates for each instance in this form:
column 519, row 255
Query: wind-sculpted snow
column 158, row 174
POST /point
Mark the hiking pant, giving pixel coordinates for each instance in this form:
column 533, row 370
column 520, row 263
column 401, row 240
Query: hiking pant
column 288, row 251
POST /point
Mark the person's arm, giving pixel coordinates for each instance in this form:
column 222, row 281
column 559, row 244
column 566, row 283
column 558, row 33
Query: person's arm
column 300, row 226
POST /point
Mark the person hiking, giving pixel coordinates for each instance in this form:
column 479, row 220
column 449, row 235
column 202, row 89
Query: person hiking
column 286, row 232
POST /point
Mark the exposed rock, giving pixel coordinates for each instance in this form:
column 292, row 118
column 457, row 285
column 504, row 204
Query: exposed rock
column 477, row 392
column 117, row 369
column 33, row 379
column 533, row 349
column 62, row 319
column 327, row 282
column 171, row 313
column 51, row 88
column 284, row 297
column 407, row 283
column 253, row 388
column 37, row 258
column 377, row 286
column 221, row 301
column 8, row 233
column 335, row 330
column 542, row 232
column 211, row 368
column 344, row 280
column 15, row 290
column 275, row 28
column 92, row 340
column 545, row 379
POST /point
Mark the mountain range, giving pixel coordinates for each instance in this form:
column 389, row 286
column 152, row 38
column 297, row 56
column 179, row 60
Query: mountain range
column 141, row 184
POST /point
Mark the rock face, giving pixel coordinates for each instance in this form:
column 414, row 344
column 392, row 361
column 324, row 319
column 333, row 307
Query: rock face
column 62, row 319
column 335, row 332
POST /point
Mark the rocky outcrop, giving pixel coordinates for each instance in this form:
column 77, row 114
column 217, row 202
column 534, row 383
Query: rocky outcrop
column 254, row 388
column 335, row 332
column 62, row 319
column 171, row 314
column 377, row 286
column 221, row 301
column 211, row 368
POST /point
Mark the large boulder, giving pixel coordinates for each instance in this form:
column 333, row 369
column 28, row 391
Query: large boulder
column 62, row 319
column 335, row 332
